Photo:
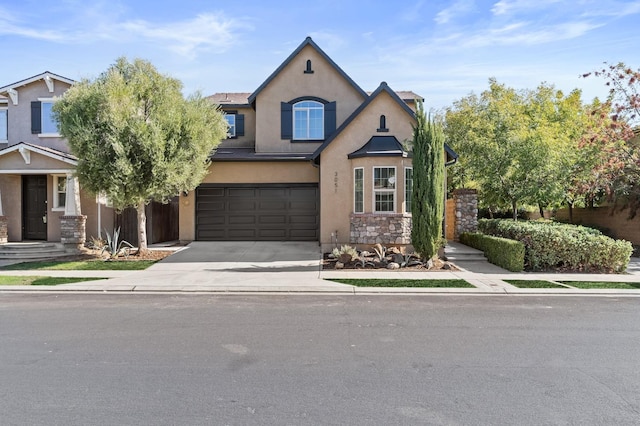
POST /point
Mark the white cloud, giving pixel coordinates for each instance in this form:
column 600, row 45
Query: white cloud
column 510, row 7
column 460, row 7
column 206, row 32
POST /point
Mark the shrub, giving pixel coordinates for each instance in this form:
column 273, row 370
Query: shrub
column 508, row 254
column 557, row 245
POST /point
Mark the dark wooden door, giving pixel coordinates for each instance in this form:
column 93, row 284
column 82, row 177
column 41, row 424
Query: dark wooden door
column 34, row 207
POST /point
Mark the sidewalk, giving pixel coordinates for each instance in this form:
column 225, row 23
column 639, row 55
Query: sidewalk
column 304, row 276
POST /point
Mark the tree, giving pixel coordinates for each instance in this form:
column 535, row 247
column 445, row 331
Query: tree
column 516, row 147
column 137, row 138
column 428, row 184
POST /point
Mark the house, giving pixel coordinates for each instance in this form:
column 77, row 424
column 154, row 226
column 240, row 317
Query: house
column 310, row 156
column 37, row 187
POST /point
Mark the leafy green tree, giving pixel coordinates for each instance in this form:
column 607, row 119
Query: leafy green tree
column 427, row 206
column 137, row 137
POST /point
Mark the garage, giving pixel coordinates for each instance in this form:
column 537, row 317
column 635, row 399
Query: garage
column 265, row 212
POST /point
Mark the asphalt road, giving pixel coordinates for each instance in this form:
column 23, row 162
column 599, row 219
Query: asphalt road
column 318, row 360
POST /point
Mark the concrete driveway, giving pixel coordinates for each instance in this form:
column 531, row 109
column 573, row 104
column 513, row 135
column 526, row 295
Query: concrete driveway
column 239, row 266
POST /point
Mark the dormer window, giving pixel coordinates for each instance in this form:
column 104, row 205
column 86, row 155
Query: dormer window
column 308, row 120
column 235, row 124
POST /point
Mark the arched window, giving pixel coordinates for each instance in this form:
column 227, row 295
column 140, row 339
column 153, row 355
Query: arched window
column 308, row 70
column 308, row 120
column 383, row 124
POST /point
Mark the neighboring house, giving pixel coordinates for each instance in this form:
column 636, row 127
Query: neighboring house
column 310, row 156
column 36, row 165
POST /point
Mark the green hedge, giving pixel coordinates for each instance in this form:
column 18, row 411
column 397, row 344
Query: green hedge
column 507, row 254
column 550, row 245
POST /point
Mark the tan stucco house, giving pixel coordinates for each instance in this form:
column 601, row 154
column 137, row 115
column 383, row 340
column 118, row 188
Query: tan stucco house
column 310, row 156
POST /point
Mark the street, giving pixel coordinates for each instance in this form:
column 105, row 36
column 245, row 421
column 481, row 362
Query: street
column 318, row 360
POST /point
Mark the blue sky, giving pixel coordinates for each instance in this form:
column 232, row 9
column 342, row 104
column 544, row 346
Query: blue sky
column 441, row 50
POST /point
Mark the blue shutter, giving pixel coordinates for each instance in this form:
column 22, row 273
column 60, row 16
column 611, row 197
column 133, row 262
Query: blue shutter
column 239, row 125
column 286, row 120
column 329, row 119
column 36, row 117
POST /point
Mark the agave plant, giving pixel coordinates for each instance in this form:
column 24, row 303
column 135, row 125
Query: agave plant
column 116, row 247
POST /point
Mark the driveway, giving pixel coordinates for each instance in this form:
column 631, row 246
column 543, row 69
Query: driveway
column 233, row 265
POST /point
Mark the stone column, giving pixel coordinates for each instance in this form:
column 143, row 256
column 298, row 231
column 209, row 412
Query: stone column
column 466, row 211
column 72, row 224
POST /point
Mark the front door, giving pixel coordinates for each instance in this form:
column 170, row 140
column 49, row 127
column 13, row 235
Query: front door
column 34, row 207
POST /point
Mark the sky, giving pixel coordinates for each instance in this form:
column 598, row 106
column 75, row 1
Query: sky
column 442, row 50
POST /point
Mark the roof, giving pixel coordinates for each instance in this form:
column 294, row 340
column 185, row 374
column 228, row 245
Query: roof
column 230, row 99
column 249, row 154
column 382, row 88
column 407, row 95
column 307, row 42
column 42, row 76
column 380, row 146
column 46, row 151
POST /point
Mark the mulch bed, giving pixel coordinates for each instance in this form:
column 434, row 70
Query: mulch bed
column 439, row 265
column 88, row 254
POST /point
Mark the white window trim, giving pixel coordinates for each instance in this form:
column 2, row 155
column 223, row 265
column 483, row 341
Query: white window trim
column 7, row 124
column 293, row 119
column 47, row 135
column 229, row 133
column 405, row 189
column 374, row 190
column 354, row 190
column 56, row 205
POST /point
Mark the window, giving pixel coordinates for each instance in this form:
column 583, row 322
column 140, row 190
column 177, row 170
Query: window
column 358, row 190
column 42, row 122
column 3, row 125
column 59, row 192
column 231, row 122
column 384, row 189
column 308, row 120
column 408, row 188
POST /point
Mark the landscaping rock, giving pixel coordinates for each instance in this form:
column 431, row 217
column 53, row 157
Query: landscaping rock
column 393, row 265
column 339, row 265
column 429, row 264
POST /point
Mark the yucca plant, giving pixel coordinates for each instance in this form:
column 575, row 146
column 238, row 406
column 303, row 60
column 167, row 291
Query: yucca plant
column 116, row 247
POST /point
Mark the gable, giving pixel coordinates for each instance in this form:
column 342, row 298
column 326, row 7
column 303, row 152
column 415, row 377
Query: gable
column 27, row 158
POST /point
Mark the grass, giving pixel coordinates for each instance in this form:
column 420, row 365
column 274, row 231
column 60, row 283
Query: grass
column 533, row 284
column 377, row 282
column 82, row 265
column 35, row 280
column 601, row 284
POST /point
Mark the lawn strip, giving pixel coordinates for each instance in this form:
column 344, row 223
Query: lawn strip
column 533, row 284
column 603, row 285
column 82, row 265
column 377, row 282
column 37, row 280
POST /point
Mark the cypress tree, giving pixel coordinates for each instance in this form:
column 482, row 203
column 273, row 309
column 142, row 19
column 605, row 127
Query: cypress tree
column 427, row 206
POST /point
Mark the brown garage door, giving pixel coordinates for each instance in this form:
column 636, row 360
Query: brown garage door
column 273, row 212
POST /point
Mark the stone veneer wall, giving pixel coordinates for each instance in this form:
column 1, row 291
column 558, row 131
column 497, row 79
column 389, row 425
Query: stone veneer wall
column 4, row 230
column 368, row 228
column 73, row 232
column 466, row 208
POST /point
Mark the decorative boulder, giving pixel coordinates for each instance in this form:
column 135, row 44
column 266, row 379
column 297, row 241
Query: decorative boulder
column 393, row 265
column 339, row 265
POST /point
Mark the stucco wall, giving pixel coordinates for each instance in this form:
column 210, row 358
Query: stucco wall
column 617, row 222
column 336, row 170
column 11, row 190
column 243, row 172
column 292, row 83
column 20, row 115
